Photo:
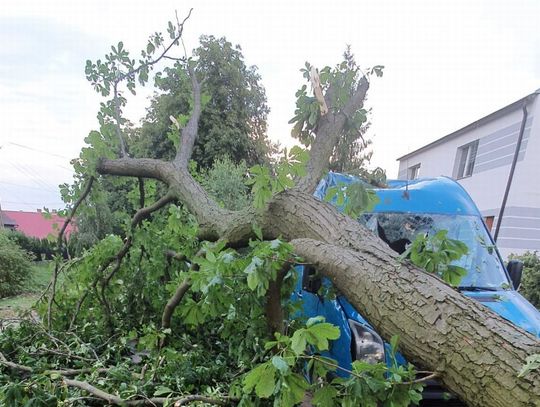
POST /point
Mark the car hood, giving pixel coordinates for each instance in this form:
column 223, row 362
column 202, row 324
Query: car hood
column 512, row 306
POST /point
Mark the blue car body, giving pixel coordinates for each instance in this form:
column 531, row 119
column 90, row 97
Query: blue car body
column 433, row 204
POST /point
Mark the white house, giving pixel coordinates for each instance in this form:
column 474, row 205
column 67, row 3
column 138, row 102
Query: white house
column 497, row 160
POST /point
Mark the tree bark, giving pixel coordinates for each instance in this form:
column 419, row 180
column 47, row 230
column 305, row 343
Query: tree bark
column 273, row 307
column 477, row 353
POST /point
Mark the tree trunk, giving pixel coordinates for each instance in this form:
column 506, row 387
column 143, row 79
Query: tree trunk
column 476, row 352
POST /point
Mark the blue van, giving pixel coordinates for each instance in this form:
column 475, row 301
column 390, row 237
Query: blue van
column 405, row 209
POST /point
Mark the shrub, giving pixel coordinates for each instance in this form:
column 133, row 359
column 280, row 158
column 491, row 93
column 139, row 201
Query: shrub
column 530, row 282
column 225, row 181
column 15, row 266
column 42, row 249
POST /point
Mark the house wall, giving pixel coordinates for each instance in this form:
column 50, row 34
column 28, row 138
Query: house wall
column 520, row 229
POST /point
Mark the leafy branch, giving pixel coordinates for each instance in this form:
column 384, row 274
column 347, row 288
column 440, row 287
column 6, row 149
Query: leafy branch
column 281, row 376
column 435, row 254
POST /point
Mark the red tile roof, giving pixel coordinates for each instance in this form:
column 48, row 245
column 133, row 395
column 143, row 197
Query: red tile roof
column 34, row 224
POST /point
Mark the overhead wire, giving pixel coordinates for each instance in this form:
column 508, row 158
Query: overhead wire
column 33, row 176
column 37, row 180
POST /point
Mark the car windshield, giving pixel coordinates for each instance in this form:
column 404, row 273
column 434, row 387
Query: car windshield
column 485, row 270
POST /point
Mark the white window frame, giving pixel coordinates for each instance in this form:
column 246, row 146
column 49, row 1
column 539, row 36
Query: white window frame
column 413, row 171
column 466, row 159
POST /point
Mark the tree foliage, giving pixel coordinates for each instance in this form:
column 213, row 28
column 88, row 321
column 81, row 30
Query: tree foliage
column 349, row 154
column 226, row 182
column 233, row 119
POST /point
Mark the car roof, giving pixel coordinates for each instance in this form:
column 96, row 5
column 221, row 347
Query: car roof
column 440, row 195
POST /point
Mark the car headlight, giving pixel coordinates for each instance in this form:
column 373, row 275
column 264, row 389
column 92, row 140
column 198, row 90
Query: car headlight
column 366, row 344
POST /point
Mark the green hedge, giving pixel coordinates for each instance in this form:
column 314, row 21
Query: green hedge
column 42, row 249
column 530, row 282
column 15, row 266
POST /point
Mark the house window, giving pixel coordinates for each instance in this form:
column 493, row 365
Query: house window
column 466, row 156
column 413, row 172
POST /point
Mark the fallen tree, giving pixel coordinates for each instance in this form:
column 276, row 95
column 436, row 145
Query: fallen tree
column 475, row 353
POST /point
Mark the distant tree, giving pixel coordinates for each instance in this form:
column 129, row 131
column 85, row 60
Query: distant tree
column 233, row 118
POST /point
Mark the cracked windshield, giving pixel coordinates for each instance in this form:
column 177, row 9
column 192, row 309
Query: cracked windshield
column 482, row 262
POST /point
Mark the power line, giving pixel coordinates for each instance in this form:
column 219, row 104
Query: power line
column 37, row 150
column 33, row 176
column 21, row 185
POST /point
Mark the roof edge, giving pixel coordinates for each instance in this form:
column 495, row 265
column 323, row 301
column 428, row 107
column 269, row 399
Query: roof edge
column 486, row 119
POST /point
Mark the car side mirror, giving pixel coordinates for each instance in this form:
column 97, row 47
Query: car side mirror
column 311, row 281
column 515, row 270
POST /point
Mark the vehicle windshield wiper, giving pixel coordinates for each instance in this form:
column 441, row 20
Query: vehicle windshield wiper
column 475, row 288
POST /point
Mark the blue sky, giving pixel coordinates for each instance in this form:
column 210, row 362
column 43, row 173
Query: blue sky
column 447, row 64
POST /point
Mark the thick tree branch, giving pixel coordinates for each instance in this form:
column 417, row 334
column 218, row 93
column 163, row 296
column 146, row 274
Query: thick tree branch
column 214, row 221
column 433, row 332
column 136, row 167
column 63, row 372
column 14, row 366
column 145, row 212
column 189, row 133
column 173, row 303
column 142, row 195
column 329, row 131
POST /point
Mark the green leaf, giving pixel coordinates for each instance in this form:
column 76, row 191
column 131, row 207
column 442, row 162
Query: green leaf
column 315, row 320
column 252, row 378
column 280, row 364
column 253, row 281
column 262, row 378
column 322, row 333
column 251, row 270
column 294, row 389
column 324, row 397
column 299, row 341
column 532, row 363
column 162, row 391
column 211, row 257
column 394, row 342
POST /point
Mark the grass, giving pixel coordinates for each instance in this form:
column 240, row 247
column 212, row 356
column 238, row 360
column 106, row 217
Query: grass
column 41, row 275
